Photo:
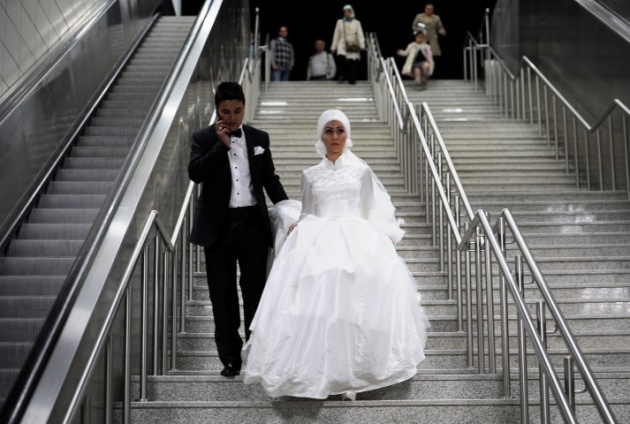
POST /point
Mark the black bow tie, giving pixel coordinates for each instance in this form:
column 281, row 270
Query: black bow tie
column 238, row 133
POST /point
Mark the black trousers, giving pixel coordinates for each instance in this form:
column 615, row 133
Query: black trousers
column 242, row 246
column 347, row 69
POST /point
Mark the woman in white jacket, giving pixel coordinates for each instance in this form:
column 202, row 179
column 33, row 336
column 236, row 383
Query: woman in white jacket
column 419, row 63
column 347, row 43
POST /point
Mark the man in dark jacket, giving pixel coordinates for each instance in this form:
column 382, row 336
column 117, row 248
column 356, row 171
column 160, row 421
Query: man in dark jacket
column 233, row 163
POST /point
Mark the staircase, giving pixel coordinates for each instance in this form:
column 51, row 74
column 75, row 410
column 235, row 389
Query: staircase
column 42, row 253
column 444, row 390
column 580, row 239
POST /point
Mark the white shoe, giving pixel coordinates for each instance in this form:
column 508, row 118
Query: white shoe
column 349, row 395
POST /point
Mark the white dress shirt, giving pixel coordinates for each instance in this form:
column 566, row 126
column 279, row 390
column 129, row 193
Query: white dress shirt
column 242, row 191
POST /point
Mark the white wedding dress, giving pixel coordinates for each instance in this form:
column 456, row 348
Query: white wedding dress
column 340, row 310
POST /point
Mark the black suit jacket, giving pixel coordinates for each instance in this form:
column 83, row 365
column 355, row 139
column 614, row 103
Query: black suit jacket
column 209, row 165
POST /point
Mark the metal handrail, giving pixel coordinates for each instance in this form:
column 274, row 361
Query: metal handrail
column 563, row 398
column 520, row 97
column 464, row 243
column 40, row 351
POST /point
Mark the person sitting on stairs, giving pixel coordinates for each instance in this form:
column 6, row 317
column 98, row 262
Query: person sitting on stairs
column 419, row 63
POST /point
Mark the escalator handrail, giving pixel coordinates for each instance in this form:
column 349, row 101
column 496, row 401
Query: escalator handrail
column 34, row 364
column 40, row 353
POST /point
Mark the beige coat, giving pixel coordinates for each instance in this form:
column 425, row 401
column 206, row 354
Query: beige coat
column 434, row 27
column 410, row 53
column 353, row 32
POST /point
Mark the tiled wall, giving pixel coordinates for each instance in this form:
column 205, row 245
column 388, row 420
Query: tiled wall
column 29, row 29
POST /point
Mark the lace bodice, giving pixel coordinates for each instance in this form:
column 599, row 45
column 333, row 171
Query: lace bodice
column 333, row 190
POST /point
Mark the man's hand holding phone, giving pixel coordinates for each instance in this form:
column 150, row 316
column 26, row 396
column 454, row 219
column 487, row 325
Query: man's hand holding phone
column 223, row 132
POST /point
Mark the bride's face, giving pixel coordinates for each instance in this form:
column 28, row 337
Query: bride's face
column 334, row 137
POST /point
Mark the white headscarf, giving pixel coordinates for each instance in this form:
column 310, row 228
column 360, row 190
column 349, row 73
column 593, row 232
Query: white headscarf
column 326, row 117
column 347, row 6
column 382, row 216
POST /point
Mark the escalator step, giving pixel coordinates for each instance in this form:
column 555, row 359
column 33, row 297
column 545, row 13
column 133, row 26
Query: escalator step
column 77, row 201
column 54, row 231
column 124, row 97
column 95, row 174
column 121, row 104
column 101, row 152
column 121, row 132
column 63, row 216
column 43, row 248
column 122, row 113
column 79, row 187
column 12, row 354
column 20, row 329
column 36, row 266
column 137, row 79
column 114, row 122
column 91, row 163
column 26, row 307
column 7, row 378
column 30, row 285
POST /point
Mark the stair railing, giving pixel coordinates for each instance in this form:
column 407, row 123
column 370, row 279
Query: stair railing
column 493, row 239
column 530, row 96
column 436, row 178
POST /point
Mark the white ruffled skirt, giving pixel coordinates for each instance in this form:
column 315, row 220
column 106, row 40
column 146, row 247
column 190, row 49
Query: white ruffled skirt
column 340, row 312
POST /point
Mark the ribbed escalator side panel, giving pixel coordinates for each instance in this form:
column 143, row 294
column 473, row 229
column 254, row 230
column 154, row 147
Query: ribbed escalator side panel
column 43, row 251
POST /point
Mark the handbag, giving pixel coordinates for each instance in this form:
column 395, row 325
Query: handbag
column 350, row 47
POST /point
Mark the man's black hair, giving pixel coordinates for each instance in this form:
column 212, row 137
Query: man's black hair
column 228, row 91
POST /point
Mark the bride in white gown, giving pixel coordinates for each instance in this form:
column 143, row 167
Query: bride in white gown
column 340, row 311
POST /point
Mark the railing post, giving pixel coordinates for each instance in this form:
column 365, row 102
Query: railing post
column 469, row 323
column 481, row 365
column 492, row 364
column 458, row 268
column 449, row 239
column 543, row 386
column 174, row 308
column 156, row 302
column 569, row 381
column 144, row 325
column 505, row 330
column 127, row 360
column 522, row 345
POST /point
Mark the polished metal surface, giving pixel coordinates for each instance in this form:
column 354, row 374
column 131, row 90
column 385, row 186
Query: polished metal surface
column 582, row 48
column 39, row 123
column 31, row 29
column 157, row 182
column 574, row 48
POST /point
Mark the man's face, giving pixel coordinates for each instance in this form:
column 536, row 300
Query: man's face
column 283, row 32
column 231, row 112
column 320, row 45
column 428, row 10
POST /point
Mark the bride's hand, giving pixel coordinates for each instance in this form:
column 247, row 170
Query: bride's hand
column 291, row 228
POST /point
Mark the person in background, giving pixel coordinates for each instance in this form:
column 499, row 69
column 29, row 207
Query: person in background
column 419, row 63
column 321, row 65
column 233, row 163
column 340, row 313
column 282, row 56
column 347, row 43
column 432, row 25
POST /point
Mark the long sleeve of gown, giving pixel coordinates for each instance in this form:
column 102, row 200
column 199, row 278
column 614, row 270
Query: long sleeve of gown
column 380, row 210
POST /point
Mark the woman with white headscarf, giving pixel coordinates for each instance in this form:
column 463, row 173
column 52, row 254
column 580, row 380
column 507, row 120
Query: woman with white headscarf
column 347, row 43
column 340, row 312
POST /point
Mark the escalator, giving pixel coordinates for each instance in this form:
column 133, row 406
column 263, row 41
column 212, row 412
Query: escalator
column 41, row 254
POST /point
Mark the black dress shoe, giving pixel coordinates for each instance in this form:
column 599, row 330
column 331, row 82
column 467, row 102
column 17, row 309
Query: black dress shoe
column 231, row 370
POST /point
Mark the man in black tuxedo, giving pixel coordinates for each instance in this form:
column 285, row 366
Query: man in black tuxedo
column 233, row 163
